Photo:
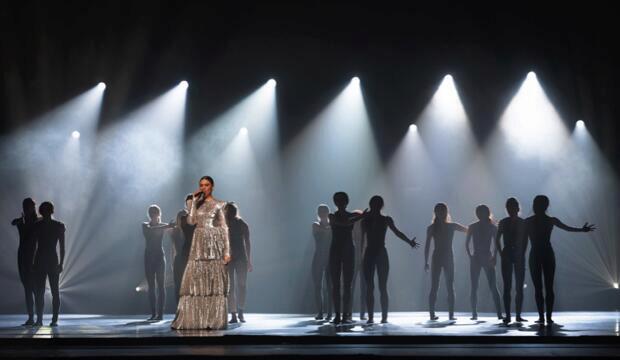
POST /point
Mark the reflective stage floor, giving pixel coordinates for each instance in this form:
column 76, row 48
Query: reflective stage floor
column 575, row 334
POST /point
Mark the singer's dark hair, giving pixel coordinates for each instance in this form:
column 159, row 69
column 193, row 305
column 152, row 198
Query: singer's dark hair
column 202, row 198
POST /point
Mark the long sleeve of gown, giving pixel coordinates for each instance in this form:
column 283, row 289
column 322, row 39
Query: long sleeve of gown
column 191, row 217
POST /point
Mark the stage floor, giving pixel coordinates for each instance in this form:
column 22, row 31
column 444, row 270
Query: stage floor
column 401, row 324
column 294, row 336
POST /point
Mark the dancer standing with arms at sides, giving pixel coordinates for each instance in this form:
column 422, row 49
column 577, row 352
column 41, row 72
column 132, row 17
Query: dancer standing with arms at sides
column 375, row 227
column 512, row 229
column 155, row 261
column 25, row 253
column 482, row 234
column 182, row 242
column 48, row 234
column 442, row 231
column 241, row 263
column 322, row 233
column 342, row 257
column 204, row 289
column 542, row 257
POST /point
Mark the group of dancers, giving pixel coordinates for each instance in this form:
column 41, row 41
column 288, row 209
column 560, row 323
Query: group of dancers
column 516, row 232
column 211, row 245
column 212, row 258
column 37, row 257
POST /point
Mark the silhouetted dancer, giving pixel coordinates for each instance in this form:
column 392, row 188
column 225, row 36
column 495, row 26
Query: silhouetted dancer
column 512, row 229
column 542, row 258
column 241, row 263
column 442, row 231
column 322, row 233
column 342, row 257
column 374, row 227
column 48, row 234
column 482, row 233
column 25, row 253
column 182, row 243
column 155, row 261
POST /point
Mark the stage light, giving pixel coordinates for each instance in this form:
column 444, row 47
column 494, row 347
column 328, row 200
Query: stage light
column 137, row 289
column 101, row 86
column 413, row 127
column 446, row 106
column 271, row 82
column 615, row 285
column 184, row 84
column 580, row 124
column 243, row 131
column 355, row 80
column 75, row 134
column 531, row 125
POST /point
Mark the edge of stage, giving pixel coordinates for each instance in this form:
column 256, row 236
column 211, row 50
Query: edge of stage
column 294, row 335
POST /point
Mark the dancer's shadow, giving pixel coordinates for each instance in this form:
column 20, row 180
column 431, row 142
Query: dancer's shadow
column 332, row 330
column 140, row 323
column 435, row 324
column 501, row 328
column 307, row 323
column 554, row 329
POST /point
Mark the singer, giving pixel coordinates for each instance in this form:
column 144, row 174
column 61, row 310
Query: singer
column 204, row 288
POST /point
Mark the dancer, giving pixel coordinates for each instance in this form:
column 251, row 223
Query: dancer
column 374, row 227
column 442, row 231
column 241, row 263
column 25, row 253
column 204, row 289
column 182, row 241
column 48, row 235
column 155, row 261
column 322, row 233
column 512, row 229
column 482, row 233
column 542, row 257
column 342, row 257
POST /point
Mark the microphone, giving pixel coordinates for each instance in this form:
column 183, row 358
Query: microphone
column 199, row 194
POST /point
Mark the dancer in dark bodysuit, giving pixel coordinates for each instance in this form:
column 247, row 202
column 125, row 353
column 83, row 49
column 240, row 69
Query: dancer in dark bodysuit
column 342, row 257
column 241, row 263
column 155, row 262
column 182, row 242
column 442, row 231
column 482, row 233
column 542, row 257
column 512, row 229
column 48, row 234
column 25, row 253
column 322, row 233
column 374, row 227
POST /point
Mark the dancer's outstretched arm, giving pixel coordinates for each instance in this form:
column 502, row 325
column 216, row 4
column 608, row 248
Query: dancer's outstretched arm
column 585, row 228
column 397, row 232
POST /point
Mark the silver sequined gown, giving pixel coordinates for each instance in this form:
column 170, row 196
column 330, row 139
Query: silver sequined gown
column 204, row 288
